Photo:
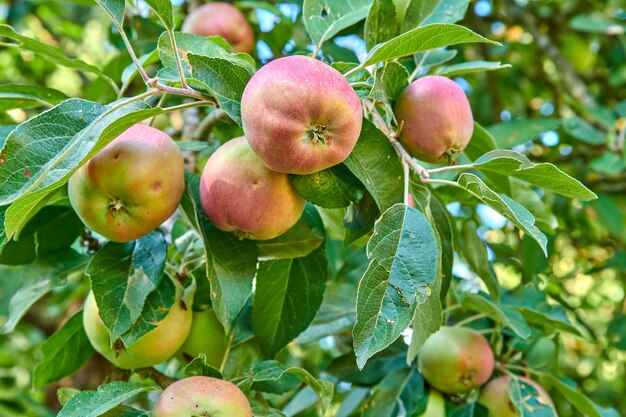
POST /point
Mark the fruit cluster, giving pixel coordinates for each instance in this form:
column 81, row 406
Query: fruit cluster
column 458, row 360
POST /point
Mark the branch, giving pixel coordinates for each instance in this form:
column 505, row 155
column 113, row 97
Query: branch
column 161, row 379
column 183, row 80
column 207, row 124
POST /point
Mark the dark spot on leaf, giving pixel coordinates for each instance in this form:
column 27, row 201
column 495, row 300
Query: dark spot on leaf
column 28, row 174
column 325, row 13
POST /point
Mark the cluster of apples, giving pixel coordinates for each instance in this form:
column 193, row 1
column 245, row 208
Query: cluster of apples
column 458, row 360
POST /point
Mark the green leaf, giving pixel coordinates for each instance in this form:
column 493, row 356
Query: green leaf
column 52, row 53
column 107, row 397
column 122, row 276
column 224, row 80
column 260, row 411
column 482, row 142
column 288, row 295
column 582, row 130
column 392, row 390
column 517, row 132
column 296, row 242
column 116, row 9
column 43, row 152
column 375, row 163
column 422, row 39
column 472, row 67
column 199, row 367
column 416, row 12
column 335, row 187
column 64, row 352
column 3, row 235
column 163, row 9
column 188, row 43
column 323, row 19
column 231, row 262
column 19, row 96
column 396, row 281
column 505, row 206
column 544, row 175
column 475, row 253
column 443, row 224
column 391, row 81
column 39, row 278
column 524, row 397
column 499, row 313
column 125, row 411
column 575, row 397
column 380, row 25
column 448, row 11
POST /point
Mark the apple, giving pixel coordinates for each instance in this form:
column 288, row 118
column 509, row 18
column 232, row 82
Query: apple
column 436, row 117
column 436, row 406
column 456, row 360
column 221, row 19
column 131, row 186
column 495, row 396
column 155, row 347
column 202, row 396
column 241, row 195
column 300, row 115
column 206, row 336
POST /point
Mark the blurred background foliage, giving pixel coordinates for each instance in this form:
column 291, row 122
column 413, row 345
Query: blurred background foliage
column 563, row 100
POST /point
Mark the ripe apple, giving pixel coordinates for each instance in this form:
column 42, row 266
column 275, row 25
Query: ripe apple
column 206, row 336
column 131, row 186
column 300, row 115
column 241, row 195
column 436, row 117
column 495, row 396
column 221, row 19
column 155, row 347
column 202, row 396
column 456, row 360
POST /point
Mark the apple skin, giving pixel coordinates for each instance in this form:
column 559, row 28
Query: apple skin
column 206, row 336
column 495, row 396
column 221, row 19
column 436, row 405
column 436, row 117
column 131, row 186
column 202, row 396
column 241, row 195
column 456, row 360
column 300, row 115
column 155, row 347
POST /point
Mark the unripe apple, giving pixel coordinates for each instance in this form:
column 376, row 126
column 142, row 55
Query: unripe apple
column 206, row 336
column 155, row 347
column 436, row 406
column 131, row 186
column 495, row 396
column 456, row 360
column 241, row 195
column 300, row 115
column 202, row 396
column 436, row 117
column 221, row 19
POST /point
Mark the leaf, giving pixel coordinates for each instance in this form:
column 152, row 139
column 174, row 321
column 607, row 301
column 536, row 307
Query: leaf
column 497, row 312
column 391, row 81
column 3, row 235
column 472, row 67
column 125, row 411
column 116, row 9
column 396, row 280
column 64, row 352
column 443, row 224
column 381, row 22
column 43, row 152
column 52, row 53
column 199, row 367
column 288, row 295
column 323, row 19
column 517, row 132
column 231, row 262
column 122, row 276
column 375, row 163
column 107, row 397
column 475, row 253
column 224, row 79
column 582, row 130
column 389, row 393
column 448, row 11
column 39, row 278
column 19, row 96
column 163, row 9
column 481, row 143
column 544, row 175
column 422, row 39
column 334, row 187
column 505, row 206
column 575, row 397
column 190, row 44
column 416, row 12
column 296, row 242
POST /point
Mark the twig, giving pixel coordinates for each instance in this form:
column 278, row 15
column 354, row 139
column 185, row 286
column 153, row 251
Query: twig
column 469, row 320
column 181, row 73
column 418, row 67
column 207, row 124
column 450, row 168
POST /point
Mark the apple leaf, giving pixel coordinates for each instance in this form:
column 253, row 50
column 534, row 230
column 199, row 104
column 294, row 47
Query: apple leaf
column 447, row 11
column 323, row 19
column 18, row 96
column 335, row 187
column 288, row 294
column 123, row 275
column 472, row 67
column 381, row 23
column 296, row 242
column 399, row 386
column 107, row 397
column 517, row 132
column 416, row 11
column 396, row 281
column 199, row 367
column 163, row 9
column 116, row 9
column 64, row 352
column 499, row 313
